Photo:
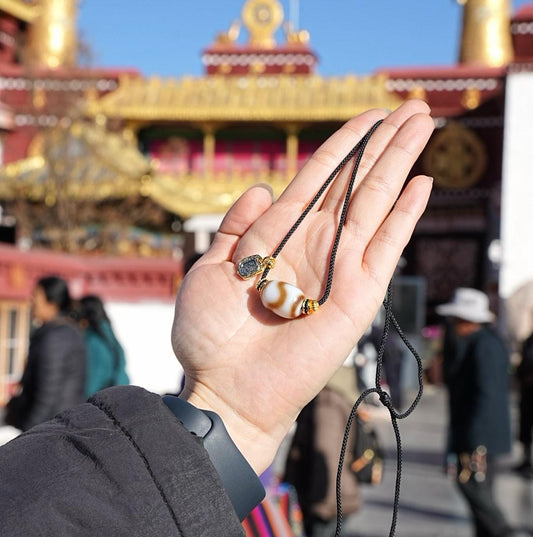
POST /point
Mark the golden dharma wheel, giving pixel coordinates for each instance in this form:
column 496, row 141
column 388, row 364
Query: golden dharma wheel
column 262, row 18
column 455, row 157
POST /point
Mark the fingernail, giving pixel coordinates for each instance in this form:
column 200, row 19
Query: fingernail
column 266, row 186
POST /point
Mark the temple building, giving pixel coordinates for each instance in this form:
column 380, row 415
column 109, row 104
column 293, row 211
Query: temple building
column 118, row 177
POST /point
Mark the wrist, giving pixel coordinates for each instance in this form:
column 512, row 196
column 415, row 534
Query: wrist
column 241, row 483
column 257, row 446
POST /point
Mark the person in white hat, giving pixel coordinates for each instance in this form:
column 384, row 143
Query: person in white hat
column 476, row 374
column 469, row 305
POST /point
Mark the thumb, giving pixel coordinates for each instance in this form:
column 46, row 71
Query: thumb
column 243, row 213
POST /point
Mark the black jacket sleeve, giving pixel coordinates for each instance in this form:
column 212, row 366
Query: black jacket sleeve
column 119, row 465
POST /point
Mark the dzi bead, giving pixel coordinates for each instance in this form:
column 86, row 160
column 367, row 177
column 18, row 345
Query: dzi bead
column 282, row 298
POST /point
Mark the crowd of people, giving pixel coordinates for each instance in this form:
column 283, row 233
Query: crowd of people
column 73, row 353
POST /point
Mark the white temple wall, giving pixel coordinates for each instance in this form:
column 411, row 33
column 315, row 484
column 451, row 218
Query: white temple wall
column 517, row 185
column 143, row 329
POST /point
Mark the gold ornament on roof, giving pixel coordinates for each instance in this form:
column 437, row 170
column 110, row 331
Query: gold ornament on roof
column 225, row 38
column 456, row 157
column 418, row 92
column 486, row 33
column 262, row 19
column 52, row 38
column 294, row 37
column 471, row 98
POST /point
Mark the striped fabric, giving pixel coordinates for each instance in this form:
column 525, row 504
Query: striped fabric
column 277, row 516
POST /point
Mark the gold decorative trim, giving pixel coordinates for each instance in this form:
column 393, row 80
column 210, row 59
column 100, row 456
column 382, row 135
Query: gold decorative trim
column 471, row 98
column 192, row 194
column 185, row 195
column 279, row 98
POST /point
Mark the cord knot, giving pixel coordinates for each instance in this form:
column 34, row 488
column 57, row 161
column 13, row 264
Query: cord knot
column 385, row 399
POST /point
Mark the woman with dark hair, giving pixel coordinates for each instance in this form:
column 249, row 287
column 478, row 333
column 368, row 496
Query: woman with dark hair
column 54, row 377
column 106, row 363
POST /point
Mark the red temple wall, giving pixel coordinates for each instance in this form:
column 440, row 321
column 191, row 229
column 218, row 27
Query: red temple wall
column 118, row 279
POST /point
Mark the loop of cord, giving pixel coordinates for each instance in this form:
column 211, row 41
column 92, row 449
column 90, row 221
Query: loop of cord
column 394, row 414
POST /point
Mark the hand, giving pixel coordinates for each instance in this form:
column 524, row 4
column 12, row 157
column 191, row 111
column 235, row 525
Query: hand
column 255, row 369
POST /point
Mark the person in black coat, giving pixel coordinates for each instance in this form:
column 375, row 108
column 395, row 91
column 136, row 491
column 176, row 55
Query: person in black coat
column 54, row 376
column 476, row 372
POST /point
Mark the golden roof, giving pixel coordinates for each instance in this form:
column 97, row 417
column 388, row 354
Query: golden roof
column 86, row 162
column 245, row 98
column 82, row 161
column 191, row 194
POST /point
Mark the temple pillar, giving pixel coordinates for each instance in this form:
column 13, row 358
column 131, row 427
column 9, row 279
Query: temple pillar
column 292, row 151
column 209, row 149
column 202, row 227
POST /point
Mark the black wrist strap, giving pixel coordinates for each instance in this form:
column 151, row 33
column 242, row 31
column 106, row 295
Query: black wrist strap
column 240, row 481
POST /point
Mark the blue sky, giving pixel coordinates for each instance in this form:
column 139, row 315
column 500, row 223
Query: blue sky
column 166, row 37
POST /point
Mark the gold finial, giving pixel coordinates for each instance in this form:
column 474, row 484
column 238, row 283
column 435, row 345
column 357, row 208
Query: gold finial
column 225, row 38
column 294, row 37
column 39, row 98
column 418, row 92
column 471, row 98
column 262, row 18
column 52, row 38
column 486, row 33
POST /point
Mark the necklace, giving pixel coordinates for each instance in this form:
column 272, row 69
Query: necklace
column 285, row 299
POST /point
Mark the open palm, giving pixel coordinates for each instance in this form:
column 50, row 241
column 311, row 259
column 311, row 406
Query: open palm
column 255, row 369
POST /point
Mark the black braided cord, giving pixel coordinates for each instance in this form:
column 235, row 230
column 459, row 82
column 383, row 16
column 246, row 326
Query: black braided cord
column 359, row 150
column 394, row 414
column 384, row 397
